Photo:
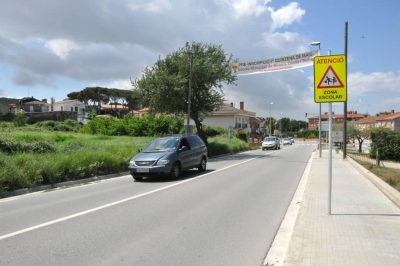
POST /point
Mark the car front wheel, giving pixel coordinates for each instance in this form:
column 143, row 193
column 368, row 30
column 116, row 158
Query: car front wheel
column 175, row 171
column 137, row 178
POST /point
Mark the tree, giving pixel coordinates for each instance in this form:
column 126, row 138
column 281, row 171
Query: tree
column 164, row 87
column 360, row 134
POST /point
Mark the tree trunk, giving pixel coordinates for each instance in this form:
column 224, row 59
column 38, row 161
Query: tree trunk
column 360, row 142
column 377, row 158
column 200, row 131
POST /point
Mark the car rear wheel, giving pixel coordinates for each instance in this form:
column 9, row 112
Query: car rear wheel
column 203, row 165
column 175, row 171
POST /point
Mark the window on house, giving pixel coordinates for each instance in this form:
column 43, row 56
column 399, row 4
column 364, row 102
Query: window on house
column 62, row 108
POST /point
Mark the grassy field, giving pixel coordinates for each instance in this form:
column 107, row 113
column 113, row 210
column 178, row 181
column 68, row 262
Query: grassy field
column 29, row 159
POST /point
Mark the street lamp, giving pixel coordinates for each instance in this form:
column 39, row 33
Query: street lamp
column 352, row 110
column 317, row 43
column 270, row 119
column 280, row 126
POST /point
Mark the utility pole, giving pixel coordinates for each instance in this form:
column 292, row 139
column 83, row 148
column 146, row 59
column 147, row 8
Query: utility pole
column 345, row 103
column 190, row 93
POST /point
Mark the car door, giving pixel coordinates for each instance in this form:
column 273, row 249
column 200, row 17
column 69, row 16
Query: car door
column 185, row 155
column 197, row 147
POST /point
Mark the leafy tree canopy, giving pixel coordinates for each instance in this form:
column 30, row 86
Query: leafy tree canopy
column 164, row 87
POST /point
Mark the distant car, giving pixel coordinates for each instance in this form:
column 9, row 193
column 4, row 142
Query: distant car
column 291, row 138
column 271, row 143
column 169, row 156
column 287, row 141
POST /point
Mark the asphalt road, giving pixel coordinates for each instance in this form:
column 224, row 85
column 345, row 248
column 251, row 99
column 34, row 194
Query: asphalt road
column 228, row 215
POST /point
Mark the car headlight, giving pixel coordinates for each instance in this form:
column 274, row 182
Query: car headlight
column 132, row 163
column 162, row 162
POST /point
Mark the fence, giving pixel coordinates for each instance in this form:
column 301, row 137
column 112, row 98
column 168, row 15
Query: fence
column 362, row 157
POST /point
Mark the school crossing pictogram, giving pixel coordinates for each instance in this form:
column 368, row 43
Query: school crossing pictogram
column 330, row 80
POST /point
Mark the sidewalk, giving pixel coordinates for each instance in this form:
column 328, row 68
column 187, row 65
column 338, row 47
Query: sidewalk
column 364, row 228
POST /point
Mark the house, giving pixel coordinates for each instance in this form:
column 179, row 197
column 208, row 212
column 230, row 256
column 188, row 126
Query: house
column 70, row 106
column 118, row 110
column 352, row 117
column 228, row 115
column 30, row 105
column 390, row 120
column 4, row 108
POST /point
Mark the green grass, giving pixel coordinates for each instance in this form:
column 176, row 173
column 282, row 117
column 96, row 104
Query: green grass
column 73, row 156
column 389, row 175
column 76, row 156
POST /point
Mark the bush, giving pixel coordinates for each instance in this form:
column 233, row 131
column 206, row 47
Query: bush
column 240, row 134
column 9, row 146
column 68, row 125
column 387, row 141
column 20, row 120
column 214, row 131
column 134, row 126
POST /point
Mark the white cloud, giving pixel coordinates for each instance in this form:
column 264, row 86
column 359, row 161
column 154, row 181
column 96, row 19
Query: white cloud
column 286, row 15
column 151, row 6
column 359, row 83
column 122, row 84
column 61, row 47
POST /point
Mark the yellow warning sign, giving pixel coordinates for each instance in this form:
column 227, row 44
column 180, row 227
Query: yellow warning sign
column 330, row 79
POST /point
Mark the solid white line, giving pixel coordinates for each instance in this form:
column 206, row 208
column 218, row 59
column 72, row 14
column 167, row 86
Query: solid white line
column 9, row 199
column 277, row 253
column 115, row 203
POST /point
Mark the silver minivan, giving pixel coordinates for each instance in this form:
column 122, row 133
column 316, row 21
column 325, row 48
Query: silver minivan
column 271, row 143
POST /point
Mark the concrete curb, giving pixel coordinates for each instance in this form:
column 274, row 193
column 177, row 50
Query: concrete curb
column 384, row 187
column 58, row 185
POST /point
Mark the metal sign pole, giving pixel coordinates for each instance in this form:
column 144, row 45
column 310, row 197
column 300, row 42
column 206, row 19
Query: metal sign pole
column 330, row 158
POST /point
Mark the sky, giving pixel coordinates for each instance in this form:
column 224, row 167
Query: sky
column 51, row 48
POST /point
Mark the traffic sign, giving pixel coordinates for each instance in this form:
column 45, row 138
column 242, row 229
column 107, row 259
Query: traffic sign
column 330, row 79
column 337, row 136
column 324, row 125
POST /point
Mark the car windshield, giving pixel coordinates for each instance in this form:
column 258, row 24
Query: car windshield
column 162, row 145
column 269, row 139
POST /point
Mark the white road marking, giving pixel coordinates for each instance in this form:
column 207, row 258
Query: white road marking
column 115, row 203
column 9, row 199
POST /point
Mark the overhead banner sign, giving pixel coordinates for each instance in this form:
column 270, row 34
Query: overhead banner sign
column 274, row 64
column 330, row 77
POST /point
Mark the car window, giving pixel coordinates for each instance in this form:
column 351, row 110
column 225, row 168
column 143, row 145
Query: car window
column 196, row 142
column 161, row 144
column 269, row 139
column 184, row 142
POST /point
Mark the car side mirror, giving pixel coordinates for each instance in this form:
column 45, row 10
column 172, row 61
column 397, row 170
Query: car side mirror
column 184, row 148
column 139, row 150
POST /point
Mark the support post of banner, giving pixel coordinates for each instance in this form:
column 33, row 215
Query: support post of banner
column 320, row 107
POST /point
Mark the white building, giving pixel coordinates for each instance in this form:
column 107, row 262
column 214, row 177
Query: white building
column 227, row 116
column 70, row 106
